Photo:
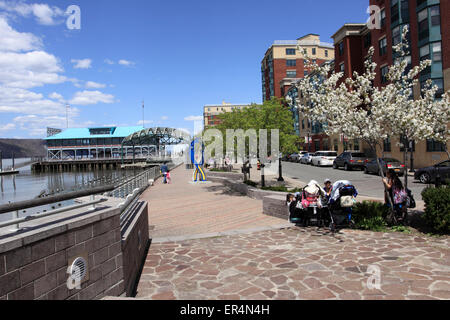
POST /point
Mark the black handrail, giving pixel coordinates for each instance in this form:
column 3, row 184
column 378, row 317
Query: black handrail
column 22, row 205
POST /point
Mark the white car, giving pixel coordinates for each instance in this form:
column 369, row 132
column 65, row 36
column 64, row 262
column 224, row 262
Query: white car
column 324, row 158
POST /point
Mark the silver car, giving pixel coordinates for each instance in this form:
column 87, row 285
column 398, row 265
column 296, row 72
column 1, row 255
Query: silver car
column 306, row 158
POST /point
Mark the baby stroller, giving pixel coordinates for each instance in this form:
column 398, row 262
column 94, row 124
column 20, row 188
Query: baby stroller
column 342, row 200
column 311, row 205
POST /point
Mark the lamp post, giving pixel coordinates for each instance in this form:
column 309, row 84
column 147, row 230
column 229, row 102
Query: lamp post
column 280, row 168
column 411, row 149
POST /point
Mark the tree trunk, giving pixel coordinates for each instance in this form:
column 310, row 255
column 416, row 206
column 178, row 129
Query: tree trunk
column 386, row 192
column 405, row 161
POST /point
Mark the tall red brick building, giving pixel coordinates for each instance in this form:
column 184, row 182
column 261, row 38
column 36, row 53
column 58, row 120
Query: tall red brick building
column 429, row 38
column 283, row 63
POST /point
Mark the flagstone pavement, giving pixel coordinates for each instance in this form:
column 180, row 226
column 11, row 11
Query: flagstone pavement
column 280, row 263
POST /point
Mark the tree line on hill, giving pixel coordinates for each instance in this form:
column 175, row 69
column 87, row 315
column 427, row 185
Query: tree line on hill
column 22, row 148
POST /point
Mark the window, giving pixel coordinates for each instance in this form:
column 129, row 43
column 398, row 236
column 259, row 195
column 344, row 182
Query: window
column 367, row 40
column 305, row 51
column 394, row 11
column 383, row 46
column 396, row 36
column 435, row 146
column 326, row 53
column 404, row 10
column 291, row 74
column 425, row 53
column 384, row 72
column 303, row 124
column 314, row 51
column 437, row 52
column 383, row 17
column 342, row 67
column 435, row 16
column 423, row 24
column 387, row 145
column 440, row 84
column 341, row 48
column 290, row 52
column 291, row 63
column 410, row 145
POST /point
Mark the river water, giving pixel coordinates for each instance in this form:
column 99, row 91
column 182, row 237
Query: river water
column 28, row 185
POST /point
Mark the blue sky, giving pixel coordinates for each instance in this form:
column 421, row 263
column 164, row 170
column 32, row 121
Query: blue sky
column 176, row 55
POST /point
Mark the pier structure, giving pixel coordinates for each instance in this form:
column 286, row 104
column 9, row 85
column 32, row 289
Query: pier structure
column 94, row 144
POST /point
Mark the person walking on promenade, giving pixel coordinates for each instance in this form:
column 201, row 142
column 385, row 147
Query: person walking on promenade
column 168, row 178
column 164, row 170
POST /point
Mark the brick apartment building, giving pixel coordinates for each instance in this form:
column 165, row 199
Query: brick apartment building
column 429, row 38
column 283, row 63
column 211, row 112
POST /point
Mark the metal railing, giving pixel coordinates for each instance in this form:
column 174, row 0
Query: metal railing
column 128, row 189
column 16, row 207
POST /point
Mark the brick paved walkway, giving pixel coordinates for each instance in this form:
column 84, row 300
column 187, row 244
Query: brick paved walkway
column 183, row 210
column 298, row 264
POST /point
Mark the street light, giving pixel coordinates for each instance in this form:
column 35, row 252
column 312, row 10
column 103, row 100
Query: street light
column 280, row 168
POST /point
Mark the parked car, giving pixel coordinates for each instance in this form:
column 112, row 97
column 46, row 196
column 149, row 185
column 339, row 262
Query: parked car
column 386, row 164
column 350, row 160
column 295, row 157
column 306, row 158
column 324, row 158
column 429, row 174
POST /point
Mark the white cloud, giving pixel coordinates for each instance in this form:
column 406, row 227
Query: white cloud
column 11, row 40
column 141, row 123
column 7, row 127
column 82, row 63
column 43, row 13
column 94, row 85
column 31, row 69
column 56, row 96
column 17, row 100
column 164, row 118
column 85, row 98
column 193, row 118
column 37, row 125
column 126, row 63
column 108, row 61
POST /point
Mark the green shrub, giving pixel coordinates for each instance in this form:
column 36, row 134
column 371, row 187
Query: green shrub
column 282, row 189
column 370, row 215
column 251, row 183
column 437, row 208
column 276, row 189
column 218, row 170
column 376, row 224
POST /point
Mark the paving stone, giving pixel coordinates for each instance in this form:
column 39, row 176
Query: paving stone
column 317, row 294
column 292, row 263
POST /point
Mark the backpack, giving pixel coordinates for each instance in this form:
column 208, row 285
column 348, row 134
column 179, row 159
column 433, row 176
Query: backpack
column 411, row 202
column 400, row 196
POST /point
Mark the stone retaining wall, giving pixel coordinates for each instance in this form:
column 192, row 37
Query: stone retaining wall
column 135, row 245
column 276, row 206
column 244, row 189
column 34, row 262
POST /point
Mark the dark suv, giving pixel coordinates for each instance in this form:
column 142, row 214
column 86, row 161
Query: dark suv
column 350, row 160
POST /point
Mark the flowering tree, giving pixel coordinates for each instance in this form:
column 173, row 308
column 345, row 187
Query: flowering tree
column 413, row 119
column 357, row 109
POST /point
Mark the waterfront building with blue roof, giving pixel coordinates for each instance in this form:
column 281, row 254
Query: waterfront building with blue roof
column 94, row 143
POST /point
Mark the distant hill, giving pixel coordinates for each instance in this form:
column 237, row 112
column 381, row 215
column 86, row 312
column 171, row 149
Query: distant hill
column 22, row 148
